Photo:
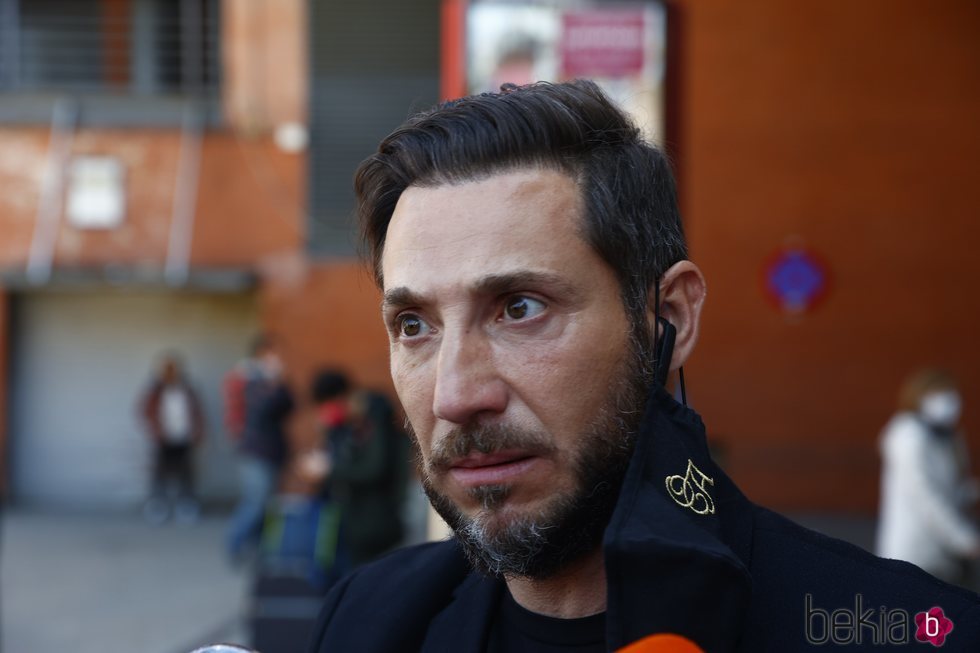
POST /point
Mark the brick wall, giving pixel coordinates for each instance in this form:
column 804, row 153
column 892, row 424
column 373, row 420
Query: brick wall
column 851, row 127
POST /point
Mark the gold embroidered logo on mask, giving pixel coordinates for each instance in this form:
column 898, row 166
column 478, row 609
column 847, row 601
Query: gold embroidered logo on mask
column 690, row 490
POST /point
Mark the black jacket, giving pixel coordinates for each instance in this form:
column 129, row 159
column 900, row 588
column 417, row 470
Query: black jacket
column 685, row 553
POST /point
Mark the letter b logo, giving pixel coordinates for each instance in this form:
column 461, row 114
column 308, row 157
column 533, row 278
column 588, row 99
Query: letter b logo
column 932, row 626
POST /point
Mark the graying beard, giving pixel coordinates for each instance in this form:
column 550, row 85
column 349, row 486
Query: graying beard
column 490, row 496
column 521, row 543
column 518, row 548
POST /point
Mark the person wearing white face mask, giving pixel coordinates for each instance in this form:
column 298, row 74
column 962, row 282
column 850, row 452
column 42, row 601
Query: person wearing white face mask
column 926, row 491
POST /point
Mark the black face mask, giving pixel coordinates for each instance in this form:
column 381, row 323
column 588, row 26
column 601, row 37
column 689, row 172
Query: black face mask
column 940, row 431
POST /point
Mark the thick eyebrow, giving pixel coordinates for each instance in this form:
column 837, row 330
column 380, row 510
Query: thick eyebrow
column 399, row 297
column 501, row 284
column 493, row 284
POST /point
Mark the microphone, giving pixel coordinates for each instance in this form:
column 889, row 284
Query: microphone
column 662, row 643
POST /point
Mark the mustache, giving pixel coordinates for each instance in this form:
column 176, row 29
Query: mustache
column 462, row 441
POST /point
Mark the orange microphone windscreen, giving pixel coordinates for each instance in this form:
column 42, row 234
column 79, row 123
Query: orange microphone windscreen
column 662, row 643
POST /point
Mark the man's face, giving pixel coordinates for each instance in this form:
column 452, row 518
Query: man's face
column 510, row 348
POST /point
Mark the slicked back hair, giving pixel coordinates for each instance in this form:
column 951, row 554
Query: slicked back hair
column 631, row 217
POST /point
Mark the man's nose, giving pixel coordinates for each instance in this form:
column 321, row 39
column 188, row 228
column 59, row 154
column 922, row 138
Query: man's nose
column 467, row 380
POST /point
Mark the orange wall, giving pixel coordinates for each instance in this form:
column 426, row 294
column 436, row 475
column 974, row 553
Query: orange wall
column 251, row 195
column 853, row 128
column 250, row 199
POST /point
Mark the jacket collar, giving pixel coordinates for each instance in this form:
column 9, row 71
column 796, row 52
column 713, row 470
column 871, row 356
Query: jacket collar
column 676, row 549
column 464, row 626
column 678, row 544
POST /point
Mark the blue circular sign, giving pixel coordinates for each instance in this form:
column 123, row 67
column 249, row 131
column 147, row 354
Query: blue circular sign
column 796, row 280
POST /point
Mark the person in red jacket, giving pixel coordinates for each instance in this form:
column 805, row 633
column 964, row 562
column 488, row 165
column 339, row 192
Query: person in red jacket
column 172, row 414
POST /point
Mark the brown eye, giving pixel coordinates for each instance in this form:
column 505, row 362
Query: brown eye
column 521, row 308
column 411, row 326
column 517, row 308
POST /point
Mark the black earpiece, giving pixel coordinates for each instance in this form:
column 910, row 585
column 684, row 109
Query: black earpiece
column 665, row 350
column 664, row 346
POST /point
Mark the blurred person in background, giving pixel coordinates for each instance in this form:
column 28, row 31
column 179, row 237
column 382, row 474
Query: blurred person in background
column 173, row 418
column 367, row 470
column 258, row 402
column 927, row 494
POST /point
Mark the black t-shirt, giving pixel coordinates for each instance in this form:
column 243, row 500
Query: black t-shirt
column 518, row 630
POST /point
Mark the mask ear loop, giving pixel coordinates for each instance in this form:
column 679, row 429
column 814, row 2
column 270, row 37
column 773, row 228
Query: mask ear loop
column 656, row 339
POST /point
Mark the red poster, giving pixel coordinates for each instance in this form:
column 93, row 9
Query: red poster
column 601, row 43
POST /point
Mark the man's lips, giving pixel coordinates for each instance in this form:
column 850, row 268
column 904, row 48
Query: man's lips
column 494, row 468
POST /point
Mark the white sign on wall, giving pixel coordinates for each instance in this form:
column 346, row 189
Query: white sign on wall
column 96, row 192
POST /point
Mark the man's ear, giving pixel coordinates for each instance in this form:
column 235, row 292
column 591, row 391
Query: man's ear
column 682, row 292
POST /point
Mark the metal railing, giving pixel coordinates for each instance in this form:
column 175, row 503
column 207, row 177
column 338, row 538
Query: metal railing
column 122, row 47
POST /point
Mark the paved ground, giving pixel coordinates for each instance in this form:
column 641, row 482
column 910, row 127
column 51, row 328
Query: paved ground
column 94, row 584
column 98, row 584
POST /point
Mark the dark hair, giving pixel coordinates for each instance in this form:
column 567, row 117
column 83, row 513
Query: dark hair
column 168, row 358
column 329, row 384
column 261, row 343
column 921, row 383
column 632, row 220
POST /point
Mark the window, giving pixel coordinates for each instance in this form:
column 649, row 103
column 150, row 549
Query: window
column 115, row 54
